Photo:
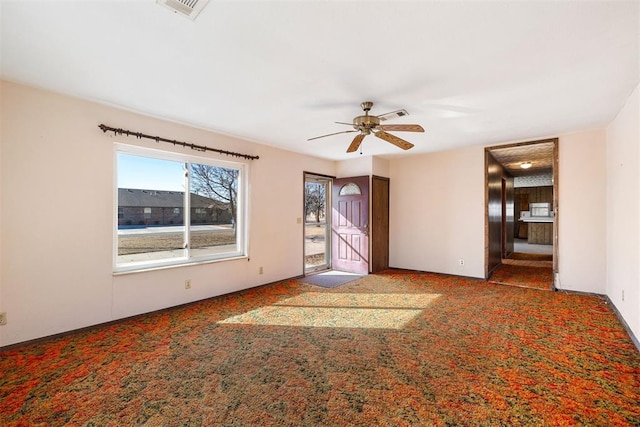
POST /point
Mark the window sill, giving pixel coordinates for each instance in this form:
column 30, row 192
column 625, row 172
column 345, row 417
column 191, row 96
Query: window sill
column 121, row 271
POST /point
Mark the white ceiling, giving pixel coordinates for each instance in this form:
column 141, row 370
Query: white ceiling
column 470, row 72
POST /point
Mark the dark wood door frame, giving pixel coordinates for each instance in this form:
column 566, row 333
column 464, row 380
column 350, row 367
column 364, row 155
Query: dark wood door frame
column 503, row 227
column 556, row 198
column 379, row 224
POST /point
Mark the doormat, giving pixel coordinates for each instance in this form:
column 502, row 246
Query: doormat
column 330, row 279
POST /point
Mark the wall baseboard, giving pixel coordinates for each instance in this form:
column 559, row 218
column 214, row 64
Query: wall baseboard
column 635, row 340
column 128, row 318
column 610, row 303
column 626, row 327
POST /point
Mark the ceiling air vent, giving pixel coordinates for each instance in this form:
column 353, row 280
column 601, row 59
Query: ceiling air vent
column 188, row 8
column 392, row 115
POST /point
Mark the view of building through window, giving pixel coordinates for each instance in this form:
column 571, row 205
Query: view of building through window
column 161, row 223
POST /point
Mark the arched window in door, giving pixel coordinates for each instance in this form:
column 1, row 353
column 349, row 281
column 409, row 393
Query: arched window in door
column 350, row 189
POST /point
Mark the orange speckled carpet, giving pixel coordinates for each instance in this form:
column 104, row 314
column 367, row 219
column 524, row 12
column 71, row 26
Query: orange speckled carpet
column 392, row 349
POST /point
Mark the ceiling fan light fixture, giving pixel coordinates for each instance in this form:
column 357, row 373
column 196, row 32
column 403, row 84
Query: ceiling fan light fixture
column 368, row 124
column 525, row 165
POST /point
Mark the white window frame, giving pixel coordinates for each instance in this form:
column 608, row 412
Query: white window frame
column 242, row 229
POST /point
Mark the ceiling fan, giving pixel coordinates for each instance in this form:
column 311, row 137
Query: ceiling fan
column 367, row 124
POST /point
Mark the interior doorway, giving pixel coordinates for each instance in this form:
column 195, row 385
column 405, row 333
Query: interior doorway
column 521, row 194
column 317, row 223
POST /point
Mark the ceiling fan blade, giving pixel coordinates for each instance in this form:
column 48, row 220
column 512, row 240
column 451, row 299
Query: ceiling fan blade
column 355, row 144
column 402, row 128
column 399, row 142
column 345, row 123
column 330, row 134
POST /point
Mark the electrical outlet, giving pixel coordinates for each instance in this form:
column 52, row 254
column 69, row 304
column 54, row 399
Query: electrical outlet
column 187, row 284
column 260, row 271
column 623, row 295
column 3, row 318
column 461, row 261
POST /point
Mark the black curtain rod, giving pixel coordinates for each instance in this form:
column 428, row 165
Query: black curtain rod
column 140, row 135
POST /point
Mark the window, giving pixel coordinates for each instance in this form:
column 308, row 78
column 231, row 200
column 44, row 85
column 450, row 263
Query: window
column 159, row 223
column 317, row 223
column 350, row 189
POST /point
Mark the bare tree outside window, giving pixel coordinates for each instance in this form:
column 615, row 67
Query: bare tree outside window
column 314, row 197
column 216, row 183
column 316, row 230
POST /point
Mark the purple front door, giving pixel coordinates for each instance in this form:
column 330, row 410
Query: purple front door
column 350, row 225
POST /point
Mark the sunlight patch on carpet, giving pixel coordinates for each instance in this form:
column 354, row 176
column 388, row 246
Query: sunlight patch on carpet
column 332, row 310
column 324, row 299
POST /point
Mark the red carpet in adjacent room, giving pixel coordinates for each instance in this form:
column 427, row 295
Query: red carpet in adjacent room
column 523, row 276
column 531, row 257
column 392, row 349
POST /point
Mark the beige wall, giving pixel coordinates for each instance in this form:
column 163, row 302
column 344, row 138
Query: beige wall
column 357, row 166
column 57, row 275
column 582, row 212
column 361, row 166
column 437, row 212
column 380, row 167
column 623, row 213
column 2, row 305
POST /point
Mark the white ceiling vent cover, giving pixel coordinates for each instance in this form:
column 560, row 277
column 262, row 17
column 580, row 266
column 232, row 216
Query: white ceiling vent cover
column 393, row 115
column 188, row 8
